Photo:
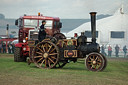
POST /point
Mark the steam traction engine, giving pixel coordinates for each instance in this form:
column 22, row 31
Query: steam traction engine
column 55, row 52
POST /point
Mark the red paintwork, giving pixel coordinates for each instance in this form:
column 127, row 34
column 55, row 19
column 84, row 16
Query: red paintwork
column 20, row 44
column 24, row 32
column 40, row 17
column 8, row 39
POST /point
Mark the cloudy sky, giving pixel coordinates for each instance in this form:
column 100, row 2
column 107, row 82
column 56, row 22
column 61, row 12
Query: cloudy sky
column 60, row 8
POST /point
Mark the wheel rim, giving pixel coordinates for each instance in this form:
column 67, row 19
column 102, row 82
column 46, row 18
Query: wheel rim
column 45, row 54
column 95, row 62
column 105, row 62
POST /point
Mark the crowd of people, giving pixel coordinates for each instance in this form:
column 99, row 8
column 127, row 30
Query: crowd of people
column 7, row 49
column 116, row 49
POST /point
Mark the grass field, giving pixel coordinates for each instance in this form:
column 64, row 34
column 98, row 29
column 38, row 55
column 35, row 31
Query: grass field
column 19, row 73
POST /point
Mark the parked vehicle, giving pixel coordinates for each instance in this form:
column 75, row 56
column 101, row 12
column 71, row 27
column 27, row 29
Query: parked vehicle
column 29, row 24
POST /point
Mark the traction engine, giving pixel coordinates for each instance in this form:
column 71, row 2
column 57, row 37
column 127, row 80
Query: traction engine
column 57, row 51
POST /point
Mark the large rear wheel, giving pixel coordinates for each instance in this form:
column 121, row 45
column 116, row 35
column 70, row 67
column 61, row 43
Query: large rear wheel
column 45, row 54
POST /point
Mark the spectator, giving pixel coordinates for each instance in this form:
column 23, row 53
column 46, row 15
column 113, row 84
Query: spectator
column 4, row 47
column 125, row 50
column 13, row 47
column 0, row 47
column 9, row 47
column 117, row 50
column 103, row 50
column 109, row 51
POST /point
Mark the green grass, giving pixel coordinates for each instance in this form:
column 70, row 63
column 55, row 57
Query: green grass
column 19, row 73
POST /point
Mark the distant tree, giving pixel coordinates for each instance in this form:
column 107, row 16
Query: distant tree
column 2, row 16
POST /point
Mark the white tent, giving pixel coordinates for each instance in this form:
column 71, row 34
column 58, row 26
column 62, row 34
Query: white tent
column 110, row 31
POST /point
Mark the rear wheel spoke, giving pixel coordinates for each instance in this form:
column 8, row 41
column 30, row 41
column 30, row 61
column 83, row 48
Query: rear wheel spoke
column 53, row 54
column 53, row 57
column 39, row 53
column 49, row 49
column 51, row 60
column 45, row 63
column 43, row 48
column 46, row 46
column 42, row 62
column 49, row 63
column 39, row 59
column 53, row 50
column 37, row 56
column 40, row 49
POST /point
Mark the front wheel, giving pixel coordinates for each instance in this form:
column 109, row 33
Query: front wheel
column 105, row 62
column 95, row 62
column 18, row 55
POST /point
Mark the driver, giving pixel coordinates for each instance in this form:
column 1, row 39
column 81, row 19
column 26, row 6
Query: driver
column 42, row 32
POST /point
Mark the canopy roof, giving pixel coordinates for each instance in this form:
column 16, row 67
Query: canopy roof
column 117, row 22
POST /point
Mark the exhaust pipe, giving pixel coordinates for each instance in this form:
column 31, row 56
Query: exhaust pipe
column 93, row 26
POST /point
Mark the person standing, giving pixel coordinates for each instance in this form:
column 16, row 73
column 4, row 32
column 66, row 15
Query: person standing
column 103, row 50
column 117, row 50
column 4, row 47
column 0, row 47
column 42, row 33
column 9, row 47
column 109, row 51
column 13, row 47
column 125, row 50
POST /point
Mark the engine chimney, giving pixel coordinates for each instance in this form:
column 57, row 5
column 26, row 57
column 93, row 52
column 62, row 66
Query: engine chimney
column 93, row 26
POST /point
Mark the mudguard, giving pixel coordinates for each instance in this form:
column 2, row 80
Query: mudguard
column 20, row 44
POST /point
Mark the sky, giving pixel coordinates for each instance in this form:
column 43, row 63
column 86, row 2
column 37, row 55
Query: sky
column 65, row 9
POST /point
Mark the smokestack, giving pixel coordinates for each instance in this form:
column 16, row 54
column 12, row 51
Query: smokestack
column 93, row 26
